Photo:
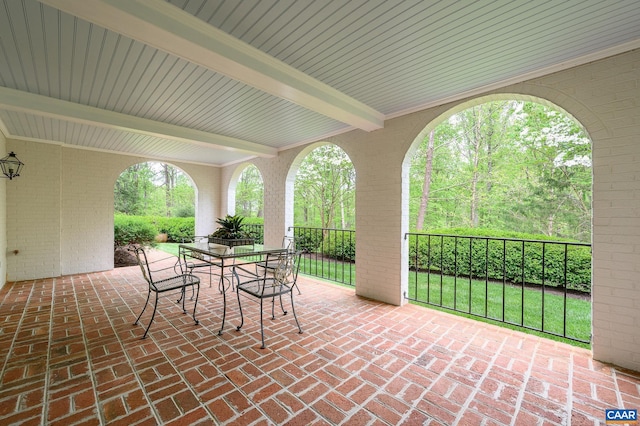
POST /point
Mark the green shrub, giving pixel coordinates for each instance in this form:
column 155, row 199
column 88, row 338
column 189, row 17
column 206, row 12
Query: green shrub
column 178, row 229
column 133, row 230
column 340, row 245
column 254, row 226
column 186, row 211
column 517, row 261
column 143, row 229
column 308, row 239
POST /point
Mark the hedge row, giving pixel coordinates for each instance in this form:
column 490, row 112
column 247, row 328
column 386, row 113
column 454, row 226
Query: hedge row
column 336, row 244
column 517, row 261
column 144, row 229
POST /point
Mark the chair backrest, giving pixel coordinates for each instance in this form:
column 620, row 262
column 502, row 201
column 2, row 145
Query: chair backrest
column 286, row 270
column 141, row 256
column 289, row 243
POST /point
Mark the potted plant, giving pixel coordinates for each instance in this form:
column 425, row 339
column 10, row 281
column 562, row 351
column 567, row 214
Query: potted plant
column 231, row 232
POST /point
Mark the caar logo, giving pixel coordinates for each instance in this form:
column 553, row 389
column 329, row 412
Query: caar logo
column 621, row 417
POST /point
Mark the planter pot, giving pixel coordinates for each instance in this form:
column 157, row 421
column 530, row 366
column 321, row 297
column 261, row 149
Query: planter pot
column 232, row 242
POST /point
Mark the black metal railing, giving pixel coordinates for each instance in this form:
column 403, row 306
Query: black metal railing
column 538, row 285
column 327, row 253
column 543, row 286
column 256, row 231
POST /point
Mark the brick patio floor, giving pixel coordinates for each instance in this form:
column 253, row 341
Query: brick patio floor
column 70, row 355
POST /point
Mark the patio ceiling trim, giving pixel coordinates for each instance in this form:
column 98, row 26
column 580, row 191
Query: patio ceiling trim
column 170, row 29
column 16, row 100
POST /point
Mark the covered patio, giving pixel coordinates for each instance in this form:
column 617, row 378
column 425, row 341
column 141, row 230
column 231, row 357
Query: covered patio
column 72, row 356
column 90, row 88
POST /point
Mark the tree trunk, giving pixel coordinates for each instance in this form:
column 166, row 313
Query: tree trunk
column 475, row 197
column 426, row 186
column 168, row 188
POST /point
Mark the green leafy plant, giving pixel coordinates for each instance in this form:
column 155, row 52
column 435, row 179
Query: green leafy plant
column 133, row 230
column 231, row 227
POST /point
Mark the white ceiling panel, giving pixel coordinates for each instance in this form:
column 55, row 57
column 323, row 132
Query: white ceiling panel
column 220, row 81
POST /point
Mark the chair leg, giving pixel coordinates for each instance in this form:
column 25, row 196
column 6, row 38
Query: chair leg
column 284, row 312
column 241, row 314
column 195, row 303
column 261, row 325
column 153, row 315
column 293, row 309
column 183, row 296
column 143, row 309
column 273, row 310
column 224, row 310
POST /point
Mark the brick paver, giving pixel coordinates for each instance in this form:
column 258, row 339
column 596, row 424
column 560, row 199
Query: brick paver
column 70, row 355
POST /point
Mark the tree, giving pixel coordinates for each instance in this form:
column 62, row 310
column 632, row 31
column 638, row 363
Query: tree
column 506, row 165
column 250, row 193
column 154, row 189
column 325, row 189
column 560, row 169
column 426, row 186
column 170, row 174
column 132, row 189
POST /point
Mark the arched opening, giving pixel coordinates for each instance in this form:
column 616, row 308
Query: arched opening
column 249, row 193
column 499, row 205
column 506, row 165
column 325, row 189
column 153, row 203
column 246, row 199
column 322, row 182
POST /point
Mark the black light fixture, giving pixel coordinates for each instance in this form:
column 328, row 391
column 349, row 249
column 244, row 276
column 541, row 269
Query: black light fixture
column 11, row 166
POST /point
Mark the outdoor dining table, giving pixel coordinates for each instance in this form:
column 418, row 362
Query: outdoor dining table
column 236, row 260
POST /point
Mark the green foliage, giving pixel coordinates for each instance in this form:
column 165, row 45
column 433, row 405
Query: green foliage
column 325, row 189
column 308, row 239
column 178, row 229
column 340, row 245
column 255, row 228
column 231, row 227
column 186, row 211
column 133, row 230
column 144, row 229
column 250, row 193
column 154, row 189
column 452, row 253
column 507, row 165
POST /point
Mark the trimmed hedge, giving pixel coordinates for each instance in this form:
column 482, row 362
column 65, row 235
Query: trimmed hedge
column 133, row 230
column 340, row 245
column 143, row 229
column 308, row 239
column 468, row 253
column 178, row 229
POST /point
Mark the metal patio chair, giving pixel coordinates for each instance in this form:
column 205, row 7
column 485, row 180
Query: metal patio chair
column 158, row 283
column 290, row 244
column 273, row 283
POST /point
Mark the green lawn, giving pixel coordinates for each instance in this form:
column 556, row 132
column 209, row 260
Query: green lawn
column 171, row 248
column 505, row 304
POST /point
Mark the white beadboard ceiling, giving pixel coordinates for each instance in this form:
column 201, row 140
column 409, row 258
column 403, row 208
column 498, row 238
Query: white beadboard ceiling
column 221, row 81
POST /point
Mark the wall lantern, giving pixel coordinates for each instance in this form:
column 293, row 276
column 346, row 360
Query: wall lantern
column 11, row 166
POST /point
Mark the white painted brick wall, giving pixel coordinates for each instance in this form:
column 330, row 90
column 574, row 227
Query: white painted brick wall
column 33, row 213
column 3, row 218
column 60, row 212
